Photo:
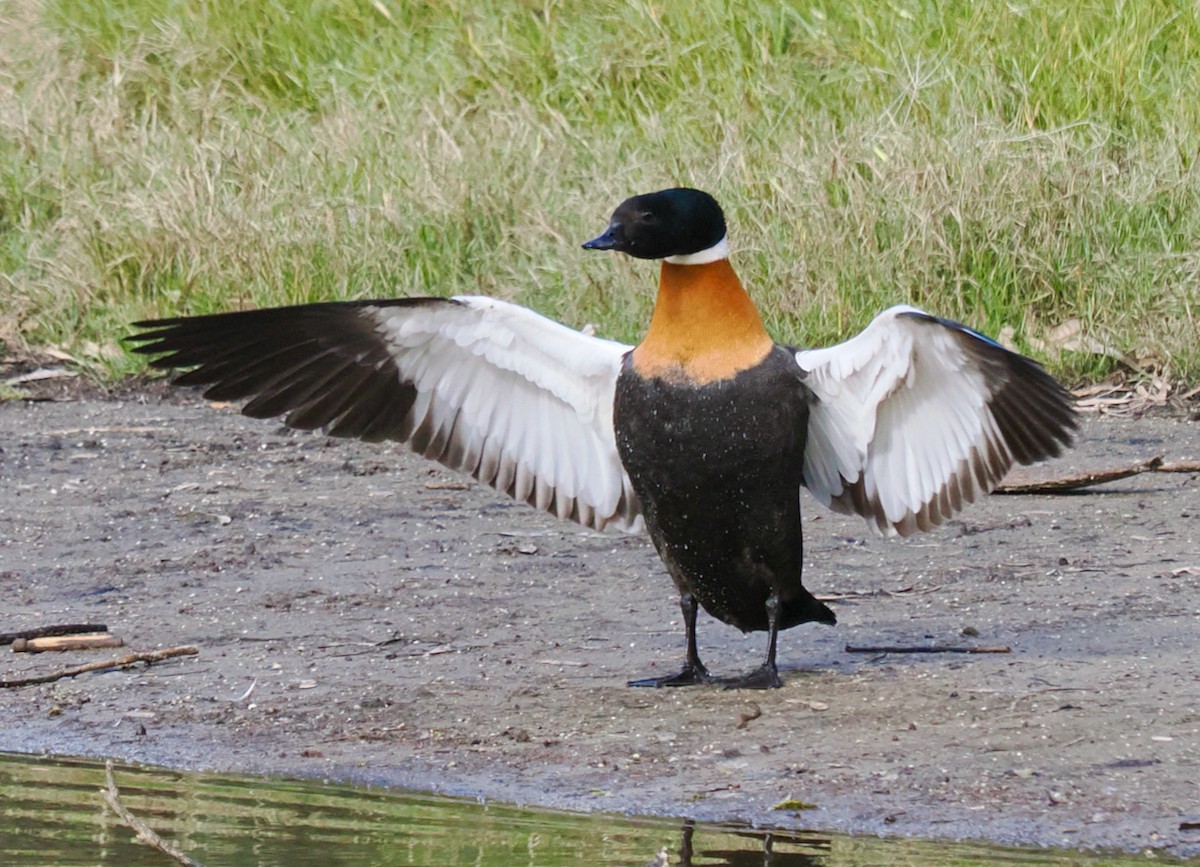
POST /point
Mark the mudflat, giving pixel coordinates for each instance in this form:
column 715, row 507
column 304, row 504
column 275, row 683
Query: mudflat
column 363, row 615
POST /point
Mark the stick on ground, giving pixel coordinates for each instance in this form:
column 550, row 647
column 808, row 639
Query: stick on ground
column 84, row 641
column 144, row 832
column 47, row 631
column 1076, row 481
column 922, row 649
column 101, row 665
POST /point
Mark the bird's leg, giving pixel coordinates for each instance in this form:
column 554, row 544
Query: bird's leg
column 693, row 669
column 766, row 676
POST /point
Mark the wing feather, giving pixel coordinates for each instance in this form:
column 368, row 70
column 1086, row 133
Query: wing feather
column 917, row 416
column 489, row 388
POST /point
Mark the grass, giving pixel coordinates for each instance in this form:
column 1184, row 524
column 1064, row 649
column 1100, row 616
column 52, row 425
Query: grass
column 1015, row 165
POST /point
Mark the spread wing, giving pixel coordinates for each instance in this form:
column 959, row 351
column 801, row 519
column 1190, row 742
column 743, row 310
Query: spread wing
column 522, row 403
column 918, row 415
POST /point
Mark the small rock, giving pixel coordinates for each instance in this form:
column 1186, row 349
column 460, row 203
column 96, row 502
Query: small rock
column 752, row 712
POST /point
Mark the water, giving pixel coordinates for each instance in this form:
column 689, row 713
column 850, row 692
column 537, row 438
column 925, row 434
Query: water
column 52, row 813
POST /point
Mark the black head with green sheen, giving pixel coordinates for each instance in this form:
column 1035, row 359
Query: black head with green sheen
column 674, row 222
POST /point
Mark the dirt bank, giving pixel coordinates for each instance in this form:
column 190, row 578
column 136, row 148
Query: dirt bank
column 362, row 615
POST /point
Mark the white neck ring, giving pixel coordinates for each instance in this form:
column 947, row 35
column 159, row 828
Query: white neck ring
column 715, row 253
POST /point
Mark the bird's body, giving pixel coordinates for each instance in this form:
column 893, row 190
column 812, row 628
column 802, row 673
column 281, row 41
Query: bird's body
column 717, row 469
column 711, row 418
column 705, row 431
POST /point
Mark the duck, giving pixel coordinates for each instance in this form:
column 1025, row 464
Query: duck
column 702, row 435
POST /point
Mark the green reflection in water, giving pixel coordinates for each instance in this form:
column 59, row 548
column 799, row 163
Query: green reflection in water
column 51, row 812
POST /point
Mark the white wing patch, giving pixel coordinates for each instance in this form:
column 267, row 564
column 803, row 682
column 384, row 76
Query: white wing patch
column 903, row 430
column 520, row 402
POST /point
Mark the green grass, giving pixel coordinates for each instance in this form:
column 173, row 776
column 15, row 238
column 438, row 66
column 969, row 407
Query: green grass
column 1014, row 165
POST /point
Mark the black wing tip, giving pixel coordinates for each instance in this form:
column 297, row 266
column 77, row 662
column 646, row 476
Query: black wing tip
column 175, row 327
column 1036, row 412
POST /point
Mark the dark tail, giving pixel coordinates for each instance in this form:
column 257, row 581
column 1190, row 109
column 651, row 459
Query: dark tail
column 806, row 608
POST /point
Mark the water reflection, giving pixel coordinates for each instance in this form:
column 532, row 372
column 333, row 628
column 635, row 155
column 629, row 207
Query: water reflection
column 771, row 852
column 51, row 812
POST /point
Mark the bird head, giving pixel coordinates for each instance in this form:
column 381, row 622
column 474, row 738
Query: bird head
column 672, row 224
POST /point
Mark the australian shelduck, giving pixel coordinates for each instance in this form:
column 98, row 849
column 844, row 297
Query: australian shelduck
column 703, row 433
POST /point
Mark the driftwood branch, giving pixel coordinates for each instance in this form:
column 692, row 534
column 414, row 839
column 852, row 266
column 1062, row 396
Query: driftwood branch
column 144, row 832
column 84, row 641
column 926, row 649
column 48, row 631
column 1076, row 481
column 1180, row 467
column 101, row 665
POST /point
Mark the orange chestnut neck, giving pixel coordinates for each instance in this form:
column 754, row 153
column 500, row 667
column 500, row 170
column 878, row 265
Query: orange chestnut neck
column 704, row 328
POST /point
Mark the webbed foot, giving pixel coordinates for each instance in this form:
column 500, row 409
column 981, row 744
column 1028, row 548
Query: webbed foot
column 764, row 677
column 690, row 676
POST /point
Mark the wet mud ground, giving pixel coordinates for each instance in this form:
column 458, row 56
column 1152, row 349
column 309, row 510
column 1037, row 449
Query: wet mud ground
column 363, row 615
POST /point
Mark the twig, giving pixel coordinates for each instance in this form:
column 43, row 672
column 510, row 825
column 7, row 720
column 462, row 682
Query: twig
column 68, row 431
column 870, row 594
column 144, row 832
column 47, row 631
column 1074, row 482
column 101, row 665
column 934, row 649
